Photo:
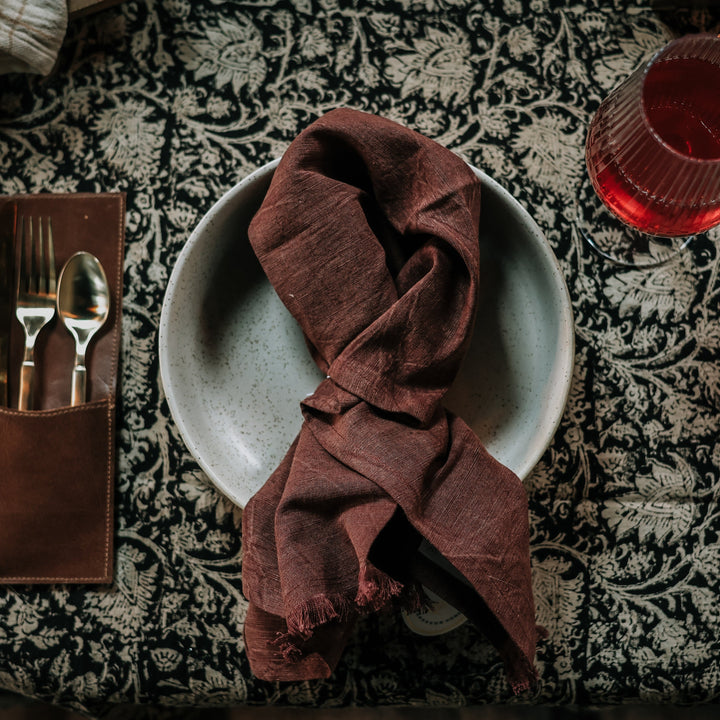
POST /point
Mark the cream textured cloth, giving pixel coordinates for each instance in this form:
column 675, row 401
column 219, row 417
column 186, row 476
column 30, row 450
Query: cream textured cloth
column 31, row 33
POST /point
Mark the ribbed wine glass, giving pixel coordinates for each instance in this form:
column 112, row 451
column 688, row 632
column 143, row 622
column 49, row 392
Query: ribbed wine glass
column 653, row 157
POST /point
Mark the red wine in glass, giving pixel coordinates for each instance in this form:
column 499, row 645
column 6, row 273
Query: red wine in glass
column 653, row 155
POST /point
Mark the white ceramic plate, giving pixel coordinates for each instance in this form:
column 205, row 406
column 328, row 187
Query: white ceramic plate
column 234, row 364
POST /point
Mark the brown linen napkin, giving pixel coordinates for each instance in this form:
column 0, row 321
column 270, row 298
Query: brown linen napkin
column 369, row 234
column 57, row 463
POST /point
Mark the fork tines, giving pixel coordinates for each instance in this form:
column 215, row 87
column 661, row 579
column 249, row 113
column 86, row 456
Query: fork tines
column 39, row 276
column 36, row 294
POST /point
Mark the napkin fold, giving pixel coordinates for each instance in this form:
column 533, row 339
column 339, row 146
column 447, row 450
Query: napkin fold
column 369, row 235
column 31, row 33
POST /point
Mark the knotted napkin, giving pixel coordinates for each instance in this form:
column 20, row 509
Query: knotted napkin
column 369, row 235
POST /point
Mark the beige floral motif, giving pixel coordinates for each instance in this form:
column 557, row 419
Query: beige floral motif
column 166, row 659
column 521, row 40
column 125, row 605
column 23, row 618
column 18, row 681
column 666, row 291
column 220, row 686
column 551, row 151
column 709, row 375
column 431, row 5
column 662, row 506
column 559, row 597
column 614, row 68
column 230, row 53
column 437, row 65
column 314, row 43
column 131, row 138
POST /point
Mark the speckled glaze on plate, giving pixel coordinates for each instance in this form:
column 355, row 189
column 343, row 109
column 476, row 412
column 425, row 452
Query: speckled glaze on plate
column 234, row 365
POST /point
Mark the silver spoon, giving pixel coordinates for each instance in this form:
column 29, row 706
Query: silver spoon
column 83, row 301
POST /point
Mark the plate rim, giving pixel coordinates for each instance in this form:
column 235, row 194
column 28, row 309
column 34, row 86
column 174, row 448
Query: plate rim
column 565, row 343
column 566, row 324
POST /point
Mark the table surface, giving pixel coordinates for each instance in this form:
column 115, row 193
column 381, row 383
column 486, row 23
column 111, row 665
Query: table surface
column 173, row 102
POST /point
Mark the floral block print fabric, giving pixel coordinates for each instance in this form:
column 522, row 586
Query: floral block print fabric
column 173, row 102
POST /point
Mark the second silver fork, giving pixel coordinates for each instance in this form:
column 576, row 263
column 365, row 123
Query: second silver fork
column 36, row 294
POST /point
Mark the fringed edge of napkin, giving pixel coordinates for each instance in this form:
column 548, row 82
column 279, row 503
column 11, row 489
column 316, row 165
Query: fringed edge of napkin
column 377, row 594
column 521, row 672
column 376, row 591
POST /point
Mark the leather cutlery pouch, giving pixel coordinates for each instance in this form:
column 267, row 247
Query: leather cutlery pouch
column 57, row 463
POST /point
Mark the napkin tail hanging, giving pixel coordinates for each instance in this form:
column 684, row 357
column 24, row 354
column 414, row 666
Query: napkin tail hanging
column 481, row 529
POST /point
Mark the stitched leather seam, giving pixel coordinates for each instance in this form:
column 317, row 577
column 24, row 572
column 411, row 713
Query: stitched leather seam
column 56, row 412
column 109, row 487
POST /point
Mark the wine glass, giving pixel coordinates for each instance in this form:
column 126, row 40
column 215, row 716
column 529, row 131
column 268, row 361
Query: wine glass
column 653, row 157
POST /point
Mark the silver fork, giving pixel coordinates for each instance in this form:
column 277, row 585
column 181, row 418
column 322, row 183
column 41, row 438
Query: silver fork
column 36, row 292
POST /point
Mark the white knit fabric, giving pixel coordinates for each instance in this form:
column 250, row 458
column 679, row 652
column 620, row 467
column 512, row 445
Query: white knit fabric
column 31, row 33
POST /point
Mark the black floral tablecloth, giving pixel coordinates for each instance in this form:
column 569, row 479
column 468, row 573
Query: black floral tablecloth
column 173, row 102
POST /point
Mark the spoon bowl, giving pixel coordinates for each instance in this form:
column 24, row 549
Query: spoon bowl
column 83, row 301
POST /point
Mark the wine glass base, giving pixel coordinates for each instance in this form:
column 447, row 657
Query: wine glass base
column 617, row 242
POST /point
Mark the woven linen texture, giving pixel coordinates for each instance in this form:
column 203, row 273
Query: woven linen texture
column 369, row 234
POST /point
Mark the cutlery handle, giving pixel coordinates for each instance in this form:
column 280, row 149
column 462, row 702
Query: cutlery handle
column 25, row 396
column 79, row 381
